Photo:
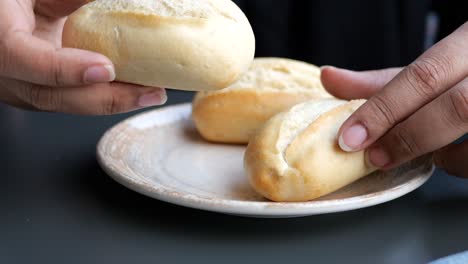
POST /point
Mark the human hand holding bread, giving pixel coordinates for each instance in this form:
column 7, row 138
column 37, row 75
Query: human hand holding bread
column 183, row 44
column 412, row 111
column 37, row 73
column 141, row 44
column 194, row 45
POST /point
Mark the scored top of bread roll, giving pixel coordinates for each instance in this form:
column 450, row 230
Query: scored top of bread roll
column 167, row 9
column 295, row 121
column 278, row 74
column 270, row 86
column 180, row 44
column 296, row 157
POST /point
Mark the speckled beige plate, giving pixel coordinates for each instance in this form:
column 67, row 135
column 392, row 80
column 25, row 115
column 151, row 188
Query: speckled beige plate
column 161, row 155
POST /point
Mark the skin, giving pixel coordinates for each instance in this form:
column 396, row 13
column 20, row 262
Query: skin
column 412, row 111
column 37, row 73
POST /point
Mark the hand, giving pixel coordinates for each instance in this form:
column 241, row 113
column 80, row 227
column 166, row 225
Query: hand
column 413, row 111
column 37, row 73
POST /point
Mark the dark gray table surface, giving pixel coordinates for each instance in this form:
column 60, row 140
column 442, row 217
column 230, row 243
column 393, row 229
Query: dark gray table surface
column 58, row 206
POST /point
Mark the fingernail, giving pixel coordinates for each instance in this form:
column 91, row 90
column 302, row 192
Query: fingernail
column 152, row 99
column 327, row 66
column 352, row 138
column 377, row 157
column 99, row 74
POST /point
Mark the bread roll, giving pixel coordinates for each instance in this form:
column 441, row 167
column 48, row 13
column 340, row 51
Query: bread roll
column 295, row 157
column 272, row 85
column 180, row 44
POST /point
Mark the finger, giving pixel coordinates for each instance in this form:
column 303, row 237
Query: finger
column 434, row 126
column 98, row 99
column 432, row 74
column 57, row 9
column 7, row 97
column 27, row 58
column 10, row 11
column 453, row 159
column 109, row 99
column 351, row 85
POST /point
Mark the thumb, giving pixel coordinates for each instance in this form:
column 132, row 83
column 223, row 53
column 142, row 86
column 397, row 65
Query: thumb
column 350, row 85
column 31, row 59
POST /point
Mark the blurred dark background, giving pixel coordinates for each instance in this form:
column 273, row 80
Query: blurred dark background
column 360, row 34
column 352, row 34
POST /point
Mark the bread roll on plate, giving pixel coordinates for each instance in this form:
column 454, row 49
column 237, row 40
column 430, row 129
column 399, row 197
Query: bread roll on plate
column 181, row 44
column 295, row 157
column 271, row 85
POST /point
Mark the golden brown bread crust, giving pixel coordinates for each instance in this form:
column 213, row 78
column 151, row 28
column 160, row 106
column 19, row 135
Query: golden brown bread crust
column 312, row 164
column 195, row 49
column 234, row 117
column 234, row 114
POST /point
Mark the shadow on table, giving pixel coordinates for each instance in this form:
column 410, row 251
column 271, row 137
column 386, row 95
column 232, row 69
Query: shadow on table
column 412, row 227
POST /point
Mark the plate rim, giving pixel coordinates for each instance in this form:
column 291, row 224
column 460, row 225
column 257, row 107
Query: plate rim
column 244, row 208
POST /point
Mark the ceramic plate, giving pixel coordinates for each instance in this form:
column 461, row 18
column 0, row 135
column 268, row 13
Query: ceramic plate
column 161, row 155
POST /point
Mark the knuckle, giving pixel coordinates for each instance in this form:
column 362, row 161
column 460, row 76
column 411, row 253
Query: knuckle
column 385, row 114
column 113, row 104
column 5, row 53
column 404, row 143
column 55, row 71
column 3, row 63
column 426, row 75
column 43, row 98
column 459, row 102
